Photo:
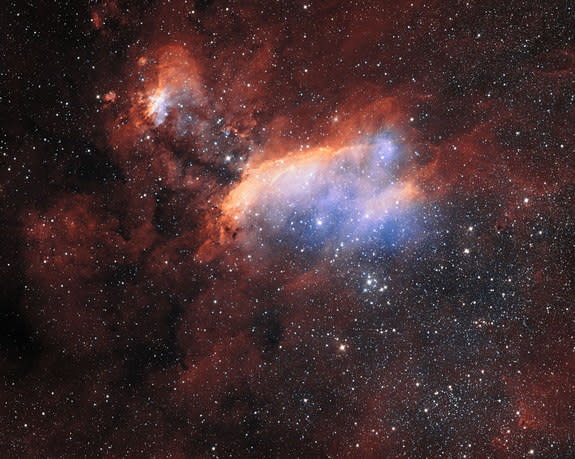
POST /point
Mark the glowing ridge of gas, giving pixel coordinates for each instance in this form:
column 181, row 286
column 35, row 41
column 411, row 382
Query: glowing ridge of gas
column 325, row 194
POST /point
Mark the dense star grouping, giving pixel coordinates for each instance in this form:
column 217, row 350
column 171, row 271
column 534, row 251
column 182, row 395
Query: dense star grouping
column 288, row 229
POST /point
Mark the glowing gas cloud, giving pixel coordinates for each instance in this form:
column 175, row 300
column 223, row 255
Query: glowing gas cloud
column 324, row 195
column 174, row 90
column 282, row 229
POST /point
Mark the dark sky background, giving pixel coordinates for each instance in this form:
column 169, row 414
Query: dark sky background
column 287, row 229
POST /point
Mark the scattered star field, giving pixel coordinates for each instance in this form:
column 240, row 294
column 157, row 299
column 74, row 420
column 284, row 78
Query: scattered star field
column 287, row 229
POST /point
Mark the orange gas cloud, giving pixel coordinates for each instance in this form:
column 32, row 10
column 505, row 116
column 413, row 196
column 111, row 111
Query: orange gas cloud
column 278, row 178
column 167, row 92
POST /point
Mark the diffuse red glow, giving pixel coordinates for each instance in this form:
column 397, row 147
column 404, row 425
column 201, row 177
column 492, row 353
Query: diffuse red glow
column 323, row 229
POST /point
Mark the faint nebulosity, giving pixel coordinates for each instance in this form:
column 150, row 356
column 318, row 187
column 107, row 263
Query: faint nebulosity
column 287, row 229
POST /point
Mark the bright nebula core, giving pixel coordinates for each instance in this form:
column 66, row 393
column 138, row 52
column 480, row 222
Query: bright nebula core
column 288, row 229
column 347, row 196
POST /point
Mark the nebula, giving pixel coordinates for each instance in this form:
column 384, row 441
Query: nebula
column 321, row 195
column 286, row 229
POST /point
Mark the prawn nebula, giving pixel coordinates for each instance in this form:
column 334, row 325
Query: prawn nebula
column 288, row 229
